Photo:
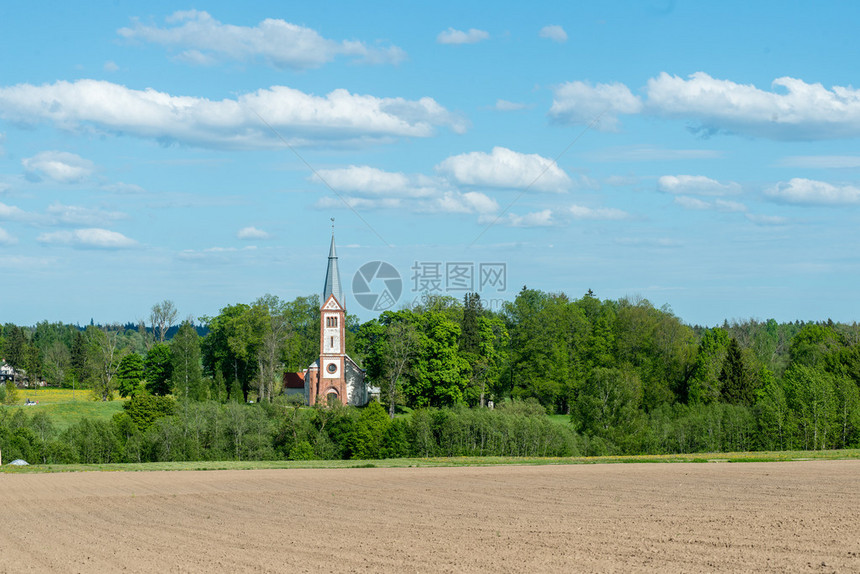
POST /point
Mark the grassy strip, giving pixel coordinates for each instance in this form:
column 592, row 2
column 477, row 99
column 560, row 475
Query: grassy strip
column 466, row 461
column 65, row 406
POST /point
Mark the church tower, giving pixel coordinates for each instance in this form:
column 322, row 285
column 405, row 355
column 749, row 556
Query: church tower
column 332, row 366
column 334, row 376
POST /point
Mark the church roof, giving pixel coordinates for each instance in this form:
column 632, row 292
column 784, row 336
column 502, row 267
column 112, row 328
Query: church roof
column 332, row 277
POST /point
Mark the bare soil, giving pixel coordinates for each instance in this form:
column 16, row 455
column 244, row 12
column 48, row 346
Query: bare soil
column 762, row 517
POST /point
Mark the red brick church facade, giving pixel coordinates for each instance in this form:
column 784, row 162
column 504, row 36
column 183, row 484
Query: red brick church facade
column 334, row 376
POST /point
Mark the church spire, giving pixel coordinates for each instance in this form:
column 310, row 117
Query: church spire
column 332, row 275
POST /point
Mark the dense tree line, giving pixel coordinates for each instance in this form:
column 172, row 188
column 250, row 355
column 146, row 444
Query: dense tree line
column 632, row 378
column 153, row 428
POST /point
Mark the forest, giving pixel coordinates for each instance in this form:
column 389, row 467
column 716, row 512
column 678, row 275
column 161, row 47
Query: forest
column 547, row 375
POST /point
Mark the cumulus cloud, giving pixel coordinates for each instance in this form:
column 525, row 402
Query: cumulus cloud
column 610, row 213
column 504, row 168
column 77, row 215
column 365, row 187
column 543, row 218
column 201, row 39
column 600, row 104
column 554, row 33
column 13, row 213
column 793, row 110
column 453, row 36
column 110, row 66
column 809, row 191
column 364, row 203
column 695, row 185
column 6, row 238
column 370, row 181
column 90, row 238
column 337, row 118
column 469, row 202
column 251, row 233
column 59, row 166
column 717, row 205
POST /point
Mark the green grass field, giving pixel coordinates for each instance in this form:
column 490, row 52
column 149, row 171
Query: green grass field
column 65, row 406
column 721, row 457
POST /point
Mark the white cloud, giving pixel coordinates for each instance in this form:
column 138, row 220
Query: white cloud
column 76, row 215
column 370, row 181
column 110, row 66
column 202, row 39
column 794, row 110
column 791, row 110
column 13, row 213
column 582, row 212
column 88, row 238
column 600, row 104
column 506, row 106
column 554, row 33
column 767, row 219
column 452, row 36
column 696, row 185
column 469, row 202
column 503, row 168
column 809, row 191
column 6, row 238
column 365, row 187
column 717, row 205
column 337, row 118
column 250, row 233
column 364, row 203
column 59, row 166
column 542, row 218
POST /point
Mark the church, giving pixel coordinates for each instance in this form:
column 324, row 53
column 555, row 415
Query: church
column 334, row 376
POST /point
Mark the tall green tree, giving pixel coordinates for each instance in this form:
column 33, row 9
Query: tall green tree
column 234, row 342
column 810, row 394
column 158, row 369
column 129, row 374
column 104, row 356
column 439, row 375
column 162, row 317
column 704, row 386
column 187, row 374
column 735, row 380
column 79, row 361
column 390, row 347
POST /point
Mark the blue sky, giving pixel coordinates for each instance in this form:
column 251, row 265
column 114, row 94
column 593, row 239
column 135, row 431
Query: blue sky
column 700, row 155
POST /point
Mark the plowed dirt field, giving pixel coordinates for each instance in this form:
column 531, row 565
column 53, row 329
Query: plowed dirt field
column 762, row 517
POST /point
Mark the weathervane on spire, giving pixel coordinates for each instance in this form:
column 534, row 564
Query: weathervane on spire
column 332, row 225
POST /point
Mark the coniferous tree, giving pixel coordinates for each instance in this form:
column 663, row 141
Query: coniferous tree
column 157, row 369
column 79, row 363
column 187, row 375
column 736, row 381
column 129, row 374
